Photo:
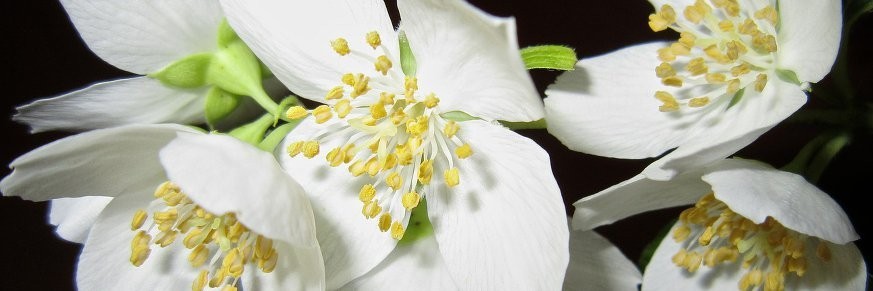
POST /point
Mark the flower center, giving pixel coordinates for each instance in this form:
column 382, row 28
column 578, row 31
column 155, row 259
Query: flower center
column 231, row 244
column 712, row 234
column 388, row 130
column 720, row 51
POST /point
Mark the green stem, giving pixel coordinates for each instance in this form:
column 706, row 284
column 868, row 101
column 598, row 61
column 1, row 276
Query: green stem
column 277, row 135
column 253, row 132
column 824, row 157
column 801, row 160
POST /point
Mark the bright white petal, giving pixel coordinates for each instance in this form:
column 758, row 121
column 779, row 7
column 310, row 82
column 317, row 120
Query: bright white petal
column 126, row 101
column 74, row 217
column 809, row 37
column 593, row 109
column 298, row 268
column 469, row 59
column 104, row 162
column 637, row 195
column 351, row 244
column 845, row 271
column 414, row 266
column 144, row 36
column 293, row 38
column 737, row 127
column 597, row 264
column 756, row 191
column 105, row 260
column 504, row 226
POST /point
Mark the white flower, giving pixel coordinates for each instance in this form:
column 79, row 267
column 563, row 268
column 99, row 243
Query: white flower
column 738, row 69
column 141, row 37
column 495, row 207
column 597, row 264
column 759, row 227
column 240, row 216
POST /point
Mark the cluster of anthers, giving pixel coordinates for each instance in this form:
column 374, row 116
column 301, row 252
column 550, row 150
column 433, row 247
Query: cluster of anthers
column 386, row 129
column 232, row 245
column 720, row 51
column 712, row 234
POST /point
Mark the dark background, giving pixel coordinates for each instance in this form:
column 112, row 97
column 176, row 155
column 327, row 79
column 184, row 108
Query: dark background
column 43, row 56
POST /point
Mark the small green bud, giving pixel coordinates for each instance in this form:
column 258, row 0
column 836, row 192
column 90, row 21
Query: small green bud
column 219, row 104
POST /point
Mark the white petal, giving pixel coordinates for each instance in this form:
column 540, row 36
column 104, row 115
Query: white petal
column 351, row 244
column 105, row 260
column 223, row 174
column 637, row 195
column 597, row 264
column 413, row 266
column 74, row 217
column 809, row 37
column 593, row 109
column 293, row 38
column 737, row 127
column 470, row 60
column 298, row 268
column 144, row 36
column 845, row 271
column 105, row 162
column 126, row 101
column 756, row 191
column 504, row 225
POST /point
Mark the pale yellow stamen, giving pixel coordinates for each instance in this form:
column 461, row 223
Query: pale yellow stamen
column 410, row 200
column 410, row 86
column 464, row 151
column 295, row 148
column 384, row 222
column 431, row 100
column 322, row 114
column 697, row 66
column 138, row 219
column 340, row 46
column 373, row 39
column 664, row 70
column 663, row 19
column 343, row 108
column 387, row 98
column 382, row 65
column 425, row 172
column 335, row 93
column 394, row 180
column 452, row 177
column 397, row 230
column 371, row 209
column 451, row 128
column 760, row 82
column 360, row 86
column 698, row 102
column 768, row 13
column 296, row 112
column 673, row 81
column 670, row 103
column 310, row 149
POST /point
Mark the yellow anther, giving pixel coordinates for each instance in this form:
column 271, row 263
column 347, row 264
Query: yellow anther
column 166, row 188
column 674, row 81
column 335, row 93
column 410, row 86
column 310, row 149
column 410, row 200
column 464, row 151
column 322, row 114
column 681, row 233
column 269, row 264
column 452, row 177
column 377, row 111
column 713, row 52
column 451, row 128
column 418, row 126
column 165, row 238
column 296, row 112
column 404, row 154
column 349, row 150
column 664, row 70
column 357, row 168
column 343, row 108
column 371, row 209
column 774, row 280
column 823, row 252
column 200, row 281
column 751, row 279
column 263, row 247
column 698, row 102
column 139, row 254
column 425, row 171
column 733, row 86
column 382, row 64
column 431, row 100
column 335, row 157
column 368, row 192
column 695, row 13
column 384, row 222
column 663, row 19
column 697, row 66
column 390, row 162
column 340, row 46
column 386, row 98
column 397, row 230
column 138, row 219
column 361, row 85
column 687, row 39
column 198, row 256
column 764, row 42
column 726, row 25
column 716, row 78
column 233, row 263
column 731, row 7
column 665, row 54
column 394, row 180
column 680, row 49
column 768, row 13
column 348, row 79
column 229, row 288
column 740, row 69
column 760, row 82
column 373, row 167
column 294, row 148
column 797, row 266
column 397, row 116
column 706, row 237
column 670, row 103
column 373, row 39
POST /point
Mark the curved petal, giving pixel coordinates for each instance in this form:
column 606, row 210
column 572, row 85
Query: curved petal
column 223, row 174
column 293, row 38
column 414, row 266
column 597, row 264
column 144, row 36
column 104, row 162
column 351, row 244
column 809, row 37
column 504, row 225
column 756, row 191
column 105, row 260
column 298, row 268
column 126, row 101
column 637, row 195
column 470, row 60
column 74, row 217
column 845, row 271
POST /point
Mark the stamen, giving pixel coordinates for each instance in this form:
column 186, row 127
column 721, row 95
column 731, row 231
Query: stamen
column 296, row 112
column 322, row 114
column 373, row 39
column 340, row 46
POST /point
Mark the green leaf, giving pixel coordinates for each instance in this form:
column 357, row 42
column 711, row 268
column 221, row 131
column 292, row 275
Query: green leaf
column 458, row 116
column 407, row 59
column 189, row 72
column 788, row 76
column 219, row 104
column 419, row 224
column 536, row 124
column 553, row 57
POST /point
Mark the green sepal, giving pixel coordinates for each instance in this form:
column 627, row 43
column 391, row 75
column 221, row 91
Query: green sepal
column 253, row 132
column 286, row 103
column 189, row 72
column 652, row 246
column 552, row 57
column 226, row 35
column 788, row 76
column 219, row 104
column 418, row 226
column 277, row 135
column 236, row 69
column 737, row 97
column 458, row 116
column 536, row 124
column 407, row 59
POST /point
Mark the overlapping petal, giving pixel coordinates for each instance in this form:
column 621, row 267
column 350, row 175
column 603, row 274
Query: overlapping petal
column 74, row 217
column 597, row 264
column 809, row 37
column 416, row 265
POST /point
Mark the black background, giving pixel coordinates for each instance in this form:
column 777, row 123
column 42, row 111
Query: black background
column 43, row 56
